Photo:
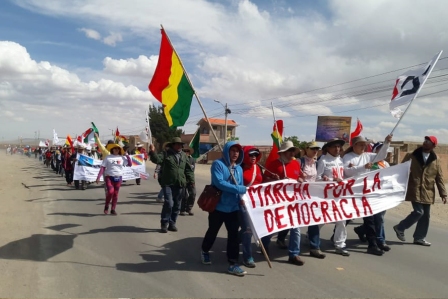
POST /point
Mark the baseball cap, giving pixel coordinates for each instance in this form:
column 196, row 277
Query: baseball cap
column 433, row 139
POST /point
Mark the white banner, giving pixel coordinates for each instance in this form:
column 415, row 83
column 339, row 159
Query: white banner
column 281, row 205
column 87, row 169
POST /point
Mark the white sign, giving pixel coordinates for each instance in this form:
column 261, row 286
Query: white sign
column 87, row 169
column 281, row 205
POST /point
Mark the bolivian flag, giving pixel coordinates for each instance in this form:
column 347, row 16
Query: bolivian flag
column 170, row 86
column 277, row 138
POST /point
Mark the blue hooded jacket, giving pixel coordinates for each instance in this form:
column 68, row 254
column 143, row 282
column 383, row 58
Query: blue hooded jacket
column 221, row 179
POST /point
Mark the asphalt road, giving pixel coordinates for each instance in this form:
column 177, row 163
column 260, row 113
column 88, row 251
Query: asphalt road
column 73, row 250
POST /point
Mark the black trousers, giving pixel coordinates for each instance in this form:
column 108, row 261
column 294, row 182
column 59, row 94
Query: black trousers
column 69, row 176
column 188, row 199
column 137, row 181
column 231, row 221
column 370, row 231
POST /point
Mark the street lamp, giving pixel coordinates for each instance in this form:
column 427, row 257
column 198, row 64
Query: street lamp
column 226, row 112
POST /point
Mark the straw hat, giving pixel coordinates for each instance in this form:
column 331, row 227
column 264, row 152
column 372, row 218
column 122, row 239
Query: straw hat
column 358, row 139
column 81, row 146
column 334, row 141
column 190, row 149
column 312, row 144
column 110, row 146
column 287, row 145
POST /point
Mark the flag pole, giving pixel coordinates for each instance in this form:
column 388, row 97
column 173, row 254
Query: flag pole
column 275, row 121
column 418, row 91
column 149, row 134
column 211, row 129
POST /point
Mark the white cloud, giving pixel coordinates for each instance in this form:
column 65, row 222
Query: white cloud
column 246, row 54
column 45, row 94
column 112, row 39
column 140, row 67
column 90, row 33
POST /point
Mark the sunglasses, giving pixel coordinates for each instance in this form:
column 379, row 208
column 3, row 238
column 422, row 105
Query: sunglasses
column 291, row 150
column 254, row 155
column 314, row 148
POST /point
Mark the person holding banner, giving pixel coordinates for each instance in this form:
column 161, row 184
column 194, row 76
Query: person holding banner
column 285, row 167
column 426, row 172
column 331, row 167
column 112, row 168
column 357, row 162
column 252, row 175
column 227, row 176
column 309, row 173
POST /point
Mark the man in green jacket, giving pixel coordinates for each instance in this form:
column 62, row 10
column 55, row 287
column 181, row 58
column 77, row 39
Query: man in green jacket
column 176, row 174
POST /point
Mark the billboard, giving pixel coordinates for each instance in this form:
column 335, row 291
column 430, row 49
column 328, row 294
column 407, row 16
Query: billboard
column 329, row 127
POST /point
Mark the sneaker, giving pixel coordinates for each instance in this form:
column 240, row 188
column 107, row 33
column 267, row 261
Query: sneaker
column 106, row 209
column 296, row 260
column 236, row 270
column 160, row 200
column 375, row 250
column 342, row 251
column 317, row 253
column 172, row 228
column 190, row 213
column 400, row 233
column 205, row 258
column 360, row 234
column 422, row 242
column 164, row 228
column 281, row 244
column 112, row 212
column 183, row 213
column 384, row 247
column 249, row 263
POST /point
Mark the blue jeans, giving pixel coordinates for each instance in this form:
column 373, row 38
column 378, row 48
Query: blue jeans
column 245, row 233
column 171, row 206
column 314, row 236
column 420, row 215
column 294, row 242
column 160, row 195
column 379, row 228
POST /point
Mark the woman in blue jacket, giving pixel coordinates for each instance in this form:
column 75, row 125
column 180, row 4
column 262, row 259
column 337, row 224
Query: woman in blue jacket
column 227, row 209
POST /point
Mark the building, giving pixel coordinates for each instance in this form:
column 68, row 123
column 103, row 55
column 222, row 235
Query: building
column 207, row 141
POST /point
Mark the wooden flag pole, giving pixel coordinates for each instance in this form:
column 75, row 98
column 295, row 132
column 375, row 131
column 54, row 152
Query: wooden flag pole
column 214, row 134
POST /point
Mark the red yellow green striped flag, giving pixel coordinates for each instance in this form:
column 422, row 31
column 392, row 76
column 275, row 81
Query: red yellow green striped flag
column 170, row 86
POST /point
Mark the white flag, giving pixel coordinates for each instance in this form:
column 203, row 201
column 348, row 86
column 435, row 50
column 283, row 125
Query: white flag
column 408, row 85
column 55, row 137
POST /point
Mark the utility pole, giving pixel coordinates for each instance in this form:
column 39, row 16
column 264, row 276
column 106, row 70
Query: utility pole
column 226, row 112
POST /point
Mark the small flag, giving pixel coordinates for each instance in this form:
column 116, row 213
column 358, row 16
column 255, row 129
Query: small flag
column 277, row 137
column 170, row 86
column 357, row 130
column 194, row 144
column 89, row 135
column 55, row 137
column 408, row 85
column 117, row 136
column 69, row 142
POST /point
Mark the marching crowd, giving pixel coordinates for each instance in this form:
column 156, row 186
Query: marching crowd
column 239, row 168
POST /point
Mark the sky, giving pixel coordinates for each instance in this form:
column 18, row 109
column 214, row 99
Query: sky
column 64, row 64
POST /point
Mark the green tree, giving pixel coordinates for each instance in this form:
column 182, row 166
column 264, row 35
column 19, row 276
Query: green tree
column 159, row 126
column 297, row 143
